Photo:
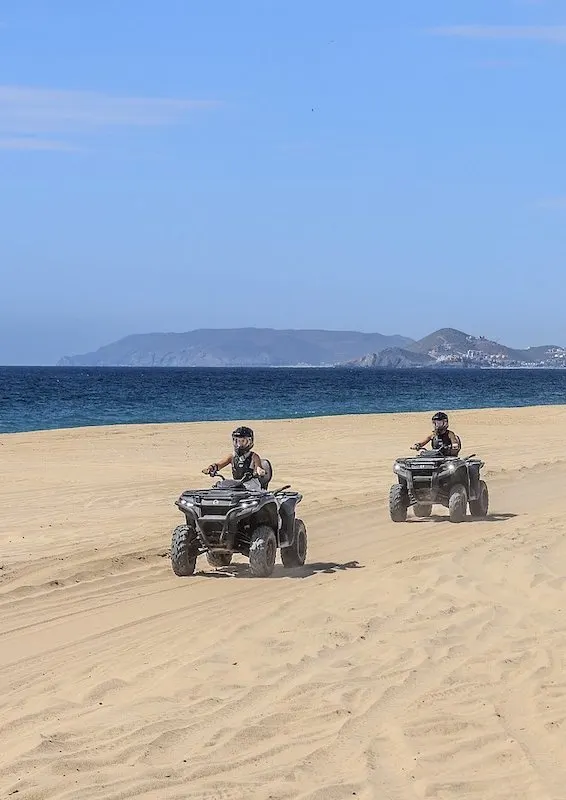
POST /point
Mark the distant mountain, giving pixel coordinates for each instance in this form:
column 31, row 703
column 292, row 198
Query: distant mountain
column 392, row 358
column 238, row 347
column 449, row 347
column 266, row 347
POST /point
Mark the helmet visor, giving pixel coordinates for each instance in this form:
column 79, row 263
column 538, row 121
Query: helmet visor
column 242, row 443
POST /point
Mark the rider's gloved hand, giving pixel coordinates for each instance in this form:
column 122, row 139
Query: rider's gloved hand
column 211, row 470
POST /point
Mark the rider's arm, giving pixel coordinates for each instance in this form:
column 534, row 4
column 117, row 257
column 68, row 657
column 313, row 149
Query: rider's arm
column 420, row 445
column 213, row 468
column 456, row 443
column 256, row 464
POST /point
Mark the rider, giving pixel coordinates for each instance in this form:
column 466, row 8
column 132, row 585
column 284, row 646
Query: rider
column 246, row 465
column 441, row 437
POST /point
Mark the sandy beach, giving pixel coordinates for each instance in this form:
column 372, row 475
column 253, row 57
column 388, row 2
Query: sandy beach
column 421, row 660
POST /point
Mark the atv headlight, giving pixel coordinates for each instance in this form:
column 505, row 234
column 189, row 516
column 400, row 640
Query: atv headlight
column 185, row 502
column 397, row 468
column 247, row 503
column 451, row 468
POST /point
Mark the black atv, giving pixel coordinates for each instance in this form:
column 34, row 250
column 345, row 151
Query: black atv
column 229, row 518
column 430, row 477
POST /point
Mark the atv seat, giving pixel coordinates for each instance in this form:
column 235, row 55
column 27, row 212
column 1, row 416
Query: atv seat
column 265, row 479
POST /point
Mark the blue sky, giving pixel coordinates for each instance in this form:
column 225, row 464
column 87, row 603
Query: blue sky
column 394, row 167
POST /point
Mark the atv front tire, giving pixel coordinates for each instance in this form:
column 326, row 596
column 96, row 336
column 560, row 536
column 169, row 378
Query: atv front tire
column 296, row 554
column 422, row 510
column 263, row 550
column 184, row 550
column 398, row 503
column 218, row 560
column 480, row 507
column 457, row 503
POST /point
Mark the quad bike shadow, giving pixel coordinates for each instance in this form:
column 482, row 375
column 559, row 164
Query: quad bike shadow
column 306, row 571
column 505, row 517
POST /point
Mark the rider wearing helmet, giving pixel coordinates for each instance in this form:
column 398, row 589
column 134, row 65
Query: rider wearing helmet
column 441, row 437
column 246, row 465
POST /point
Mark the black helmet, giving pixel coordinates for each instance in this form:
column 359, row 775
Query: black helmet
column 243, row 439
column 440, row 422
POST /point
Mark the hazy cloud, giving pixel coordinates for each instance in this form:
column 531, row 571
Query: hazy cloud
column 30, row 143
column 557, row 203
column 497, row 63
column 27, row 112
column 537, row 33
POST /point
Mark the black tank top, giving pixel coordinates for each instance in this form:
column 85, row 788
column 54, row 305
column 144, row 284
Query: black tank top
column 242, row 468
column 442, row 440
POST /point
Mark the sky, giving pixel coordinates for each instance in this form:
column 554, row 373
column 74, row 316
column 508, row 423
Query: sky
column 392, row 167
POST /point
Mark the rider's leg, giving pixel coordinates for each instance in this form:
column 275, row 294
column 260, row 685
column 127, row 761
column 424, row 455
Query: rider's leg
column 253, row 485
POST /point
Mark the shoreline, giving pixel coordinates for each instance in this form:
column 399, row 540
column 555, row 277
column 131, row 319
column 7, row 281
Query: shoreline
column 369, row 415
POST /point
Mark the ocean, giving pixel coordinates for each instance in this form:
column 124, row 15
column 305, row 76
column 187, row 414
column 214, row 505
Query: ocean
column 40, row 398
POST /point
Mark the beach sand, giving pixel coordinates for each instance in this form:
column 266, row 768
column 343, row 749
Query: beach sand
column 421, row 660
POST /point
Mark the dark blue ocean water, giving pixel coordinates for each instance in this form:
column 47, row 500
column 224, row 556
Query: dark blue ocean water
column 36, row 398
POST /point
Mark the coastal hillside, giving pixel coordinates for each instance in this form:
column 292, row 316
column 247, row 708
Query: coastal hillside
column 267, row 347
column 239, row 347
column 449, row 347
column 391, row 358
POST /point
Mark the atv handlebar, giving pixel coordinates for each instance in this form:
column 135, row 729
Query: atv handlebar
column 243, row 480
column 276, row 491
column 424, row 450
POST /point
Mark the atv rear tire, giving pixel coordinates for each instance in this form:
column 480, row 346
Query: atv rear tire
column 422, row 510
column 480, row 507
column 296, row 554
column 218, row 560
column 398, row 503
column 263, row 550
column 184, row 550
column 457, row 503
